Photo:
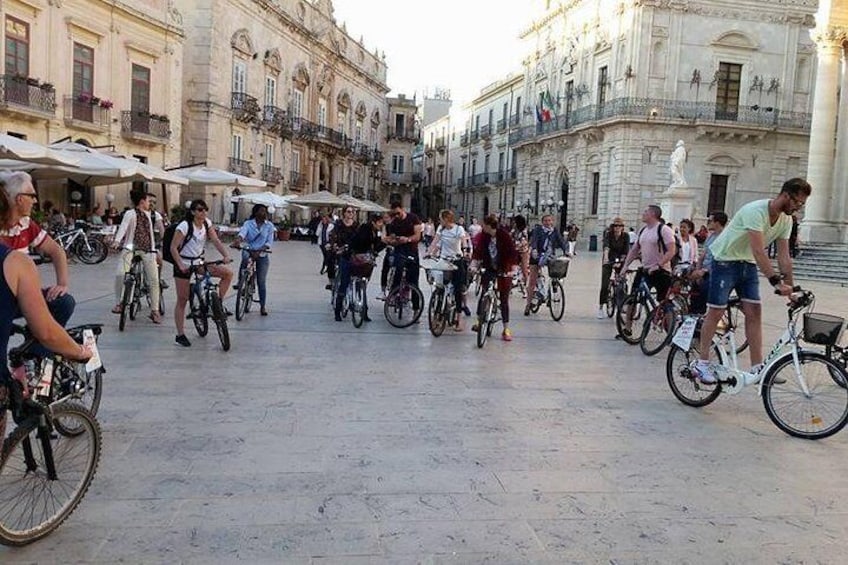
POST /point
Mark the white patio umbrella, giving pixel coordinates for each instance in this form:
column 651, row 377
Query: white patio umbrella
column 21, row 150
column 217, row 177
column 364, row 205
column 266, row 198
column 318, row 199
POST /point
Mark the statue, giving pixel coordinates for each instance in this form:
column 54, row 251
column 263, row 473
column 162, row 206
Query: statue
column 678, row 162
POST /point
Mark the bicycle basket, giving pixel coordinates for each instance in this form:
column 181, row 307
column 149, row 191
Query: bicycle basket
column 558, row 268
column 822, row 329
column 361, row 269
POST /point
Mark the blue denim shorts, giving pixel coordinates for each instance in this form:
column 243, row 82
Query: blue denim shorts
column 726, row 276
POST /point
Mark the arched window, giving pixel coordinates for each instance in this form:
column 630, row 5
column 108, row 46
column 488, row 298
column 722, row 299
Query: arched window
column 658, row 56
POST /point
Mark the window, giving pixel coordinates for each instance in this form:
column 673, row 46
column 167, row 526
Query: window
column 397, row 164
column 501, row 161
column 569, row 99
column 322, row 112
column 486, row 163
column 399, row 125
column 17, row 47
column 596, row 190
column 342, row 117
column 463, row 170
column 297, row 103
column 473, row 169
column 239, row 76
column 727, row 91
column 518, row 108
column 536, row 195
column 357, row 134
column 374, row 137
column 505, row 114
column 237, row 147
column 140, row 96
column 477, row 123
column 718, row 193
column 491, row 119
column 83, row 69
column 269, row 154
column 295, row 159
column 270, row 91
column 603, row 84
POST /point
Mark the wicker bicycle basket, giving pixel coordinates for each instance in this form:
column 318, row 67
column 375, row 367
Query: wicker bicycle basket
column 822, row 329
column 558, row 268
column 362, row 266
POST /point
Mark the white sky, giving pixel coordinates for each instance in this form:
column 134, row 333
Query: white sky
column 460, row 45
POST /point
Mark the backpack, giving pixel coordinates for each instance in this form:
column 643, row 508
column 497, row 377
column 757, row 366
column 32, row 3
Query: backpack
column 168, row 237
column 675, row 259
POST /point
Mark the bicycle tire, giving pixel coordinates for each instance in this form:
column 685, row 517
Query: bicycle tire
column 241, row 299
column 630, row 304
column 395, row 306
column 685, row 387
column 833, row 383
column 220, row 319
column 610, row 303
column 251, row 290
column 96, row 251
column 556, row 300
column 357, row 309
column 435, row 313
column 738, row 317
column 658, row 329
column 85, row 391
column 200, row 314
column 483, row 320
column 161, row 302
column 126, row 301
column 18, row 525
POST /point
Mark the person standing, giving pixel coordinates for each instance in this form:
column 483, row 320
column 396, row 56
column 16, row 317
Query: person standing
column 616, row 245
column 572, row 239
column 313, row 227
column 135, row 236
column 453, row 244
column 688, row 243
column 342, row 237
column 325, row 232
column 257, row 235
column 521, row 238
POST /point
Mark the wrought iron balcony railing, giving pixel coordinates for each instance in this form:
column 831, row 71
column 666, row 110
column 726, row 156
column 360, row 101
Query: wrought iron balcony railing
column 475, row 135
column 501, row 125
column 482, row 178
column 463, row 139
column 397, row 178
column 441, row 143
column 410, row 134
column 486, row 131
column 342, row 188
column 27, row 94
column 656, row 110
column 271, row 174
column 460, row 183
column 515, row 119
column 372, row 195
column 143, row 123
column 358, row 192
column 276, row 120
column 240, row 167
column 85, row 111
column 297, row 180
column 245, row 107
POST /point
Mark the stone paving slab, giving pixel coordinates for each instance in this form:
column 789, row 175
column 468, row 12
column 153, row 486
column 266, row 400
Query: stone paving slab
column 315, row 442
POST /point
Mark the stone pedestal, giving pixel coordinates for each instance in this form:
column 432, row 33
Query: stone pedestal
column 818, row 231
column 677, row 203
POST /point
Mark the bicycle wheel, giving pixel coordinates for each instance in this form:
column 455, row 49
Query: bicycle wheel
column 817, row 415
column 435, row 313
column 738, row 318
column 485, row 310
column 399, row 307
column 357, row 309
column 476, row 284
column 688, row 389
column 242, row 297
column 200, row 314
column 161, row 302
column 658, row 329
column 251, row 291
column 93, row 253
column 220, row 319
column 84, row 387
column 33, row 502
column 610, row 304
column 630, row 305
column 556, row 300
column 127, row 298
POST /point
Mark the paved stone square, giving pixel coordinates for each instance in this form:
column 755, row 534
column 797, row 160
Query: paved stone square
column 314, row 442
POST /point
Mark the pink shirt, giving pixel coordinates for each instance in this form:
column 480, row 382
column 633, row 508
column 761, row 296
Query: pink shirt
column 650, row 249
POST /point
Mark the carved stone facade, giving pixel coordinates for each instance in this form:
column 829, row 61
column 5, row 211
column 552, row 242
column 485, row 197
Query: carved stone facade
column 277, row 90
column 97, row 74
column 610, row 86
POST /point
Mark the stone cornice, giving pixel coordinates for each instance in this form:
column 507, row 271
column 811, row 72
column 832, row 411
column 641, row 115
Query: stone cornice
column 798, row 12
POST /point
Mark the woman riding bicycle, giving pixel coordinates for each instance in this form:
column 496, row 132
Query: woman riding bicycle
column 20, row 288
column 366, row 243
column 497, row 255
column 452, row 242
column 188, row 247
column 341, row 238
column 616, row 247
column 257, row 234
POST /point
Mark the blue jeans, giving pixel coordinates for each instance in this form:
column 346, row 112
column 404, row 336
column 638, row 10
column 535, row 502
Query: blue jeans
column 725, row 276
column 262, row 266
column 61, row 308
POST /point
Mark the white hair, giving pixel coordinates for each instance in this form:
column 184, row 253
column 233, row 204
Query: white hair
column 14, row 182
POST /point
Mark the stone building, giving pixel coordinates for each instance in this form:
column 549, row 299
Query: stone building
column 826, row 213
column 403, row 134
column 101, row 74
column 611, row 86
column 434, row 116
column 279, row 91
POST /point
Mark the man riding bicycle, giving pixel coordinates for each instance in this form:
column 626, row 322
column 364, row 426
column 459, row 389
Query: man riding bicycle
column 737, row 253
column 404, row 233
column 544, row 241
column 136, row 236
column 257, row 233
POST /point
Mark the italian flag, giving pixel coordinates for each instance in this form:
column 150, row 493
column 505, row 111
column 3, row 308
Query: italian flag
column 545, row 108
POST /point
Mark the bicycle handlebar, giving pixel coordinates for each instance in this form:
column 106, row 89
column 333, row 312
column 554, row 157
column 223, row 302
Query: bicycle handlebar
column 249, row 250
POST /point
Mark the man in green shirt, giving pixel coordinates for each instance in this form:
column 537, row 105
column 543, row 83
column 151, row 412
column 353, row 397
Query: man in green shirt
column 737, row 253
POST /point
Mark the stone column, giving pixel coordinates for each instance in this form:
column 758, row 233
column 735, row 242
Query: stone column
column 316, row 174
column 817, row 226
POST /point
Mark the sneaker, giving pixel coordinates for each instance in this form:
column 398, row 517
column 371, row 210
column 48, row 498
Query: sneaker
column 506, row 335
column 263, row 312
column 338, row 317
column 601, row 313
column 328, row 287
column 527, row 310
column 466, row 310
column 163, row 284
column 183, row 340
column 236, row 286
column 703, row 373
column 382, row 295
column 475, row 327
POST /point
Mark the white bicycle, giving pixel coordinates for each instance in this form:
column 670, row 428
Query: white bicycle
column 804, row 392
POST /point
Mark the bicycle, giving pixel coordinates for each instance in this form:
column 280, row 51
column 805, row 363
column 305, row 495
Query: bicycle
column 553, row 294
column 361, row 268
column 89, row 250
column 43, row 475
column 442, row 310
column 404, row 302
column 640, row 298
column 247, row 282
column 489, row 310
column 519, row 283
column 135, row 288
column 789, row 376
column 663, row 319
column 617, row 289
column 203, row 297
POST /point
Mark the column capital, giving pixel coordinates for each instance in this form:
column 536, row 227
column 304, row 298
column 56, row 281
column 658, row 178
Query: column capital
column 830, row 37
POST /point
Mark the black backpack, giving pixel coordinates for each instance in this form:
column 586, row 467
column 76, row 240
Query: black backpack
column 675, row 259
column 168, row 237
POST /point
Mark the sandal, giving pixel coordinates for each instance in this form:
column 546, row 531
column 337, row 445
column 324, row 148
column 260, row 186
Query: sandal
column 117, row 309
column 156, row 318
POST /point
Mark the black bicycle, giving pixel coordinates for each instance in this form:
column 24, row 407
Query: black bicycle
column 136, row 287
column 404, row 302
column 617, row 289
column 247, row 283
column 205, row 302
column 44, row 470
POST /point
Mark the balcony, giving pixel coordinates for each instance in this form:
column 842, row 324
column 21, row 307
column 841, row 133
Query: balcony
column 486, row 131
column 397, row 178
column 342, row 188
column 27, row 97
column 463, row 139
column 297, row 181
column 276, row 120
column 761, row 118
column 481, row 179
column 515, row 120
column 501, row 125
column 372, row 195
column 272, row 175
column 145, row 127
column 410, row 134
column 460, row 183
column 441, row 143
column 245, row 107
column 362, row 153
column 358, row 192
column 86, row 112
column 475, row 136
column 240, row 167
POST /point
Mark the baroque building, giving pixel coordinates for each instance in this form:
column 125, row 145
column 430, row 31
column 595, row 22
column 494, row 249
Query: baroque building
column 403, row 134
column 100, row 74
column 611, row 86
column 276, row 89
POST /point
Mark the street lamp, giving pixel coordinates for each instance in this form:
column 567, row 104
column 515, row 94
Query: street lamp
column 523, row 206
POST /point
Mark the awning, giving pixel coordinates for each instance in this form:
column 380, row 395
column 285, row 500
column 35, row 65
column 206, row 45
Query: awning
column 197, row 176
column 364, row 205
column 21, row 150
column 319, row 199
column 266, row 198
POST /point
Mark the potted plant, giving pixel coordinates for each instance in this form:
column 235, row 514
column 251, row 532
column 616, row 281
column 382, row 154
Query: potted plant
column 47, row 87
column 283, row 229
column 94, row 101
column 106, row 104
column 33, row 81
column 84, row 97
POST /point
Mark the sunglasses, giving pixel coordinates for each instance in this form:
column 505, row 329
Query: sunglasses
column 32, row 195
column 618, row 225
column 200, row 210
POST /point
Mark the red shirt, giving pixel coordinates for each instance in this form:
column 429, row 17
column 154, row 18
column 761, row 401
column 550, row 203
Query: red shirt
column 23, row 235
